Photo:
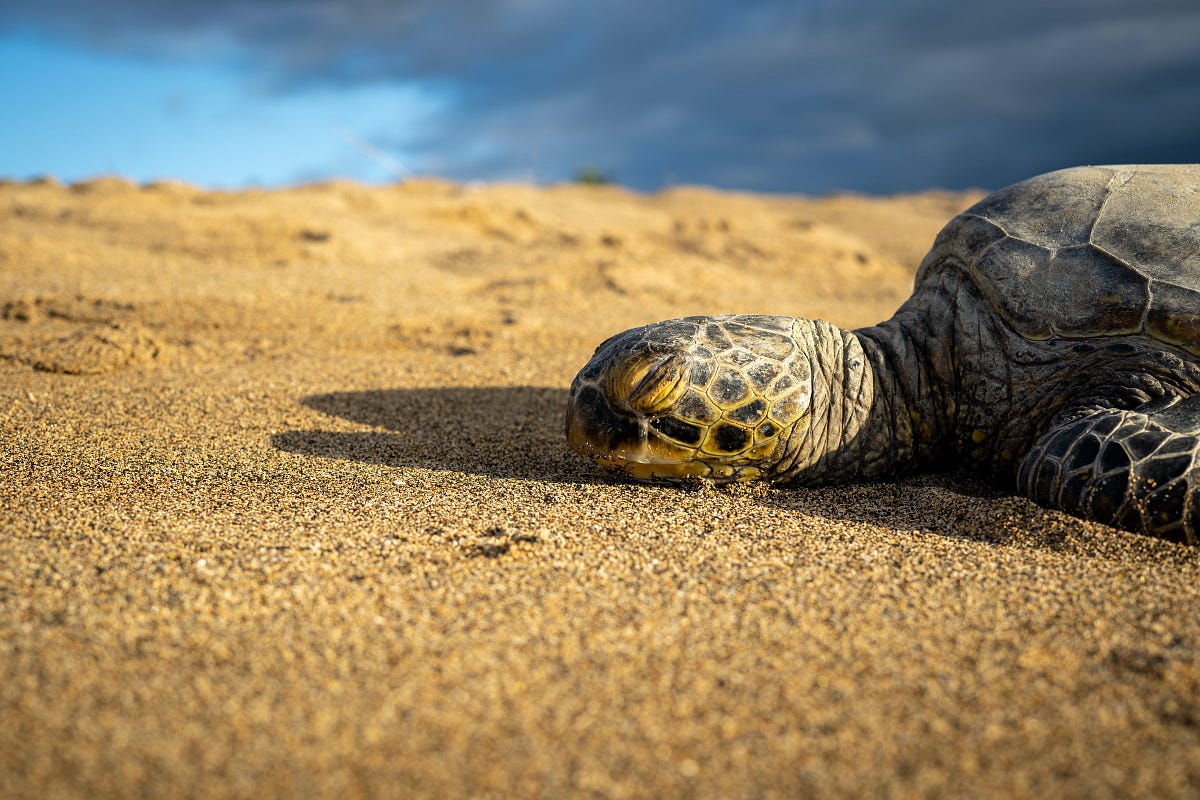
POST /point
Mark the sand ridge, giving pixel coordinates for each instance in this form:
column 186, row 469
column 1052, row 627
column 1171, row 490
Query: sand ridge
column 287, row 509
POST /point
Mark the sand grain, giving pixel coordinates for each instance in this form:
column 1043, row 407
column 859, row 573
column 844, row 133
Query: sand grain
column 335, row 545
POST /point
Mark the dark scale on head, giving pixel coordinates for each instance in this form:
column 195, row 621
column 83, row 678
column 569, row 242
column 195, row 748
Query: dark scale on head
column 679, row 329
column 766, row 430
column 740, row 330
column 729, row 388
column 731, row 438
column 762, row 373
column 701, row 373
column 677, row 429
column 750, row 413
column 714, row 336
column 693, row 406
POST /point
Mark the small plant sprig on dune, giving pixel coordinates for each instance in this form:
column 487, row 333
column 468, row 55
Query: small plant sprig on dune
column 592, row 176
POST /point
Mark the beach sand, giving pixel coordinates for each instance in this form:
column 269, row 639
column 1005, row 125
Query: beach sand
column 287, row 510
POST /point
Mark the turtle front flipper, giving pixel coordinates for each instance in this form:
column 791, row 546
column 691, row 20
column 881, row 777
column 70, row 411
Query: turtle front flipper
column 1138, row 470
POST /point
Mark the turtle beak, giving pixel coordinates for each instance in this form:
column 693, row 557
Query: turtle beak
column 618, row 441
column 594, row 430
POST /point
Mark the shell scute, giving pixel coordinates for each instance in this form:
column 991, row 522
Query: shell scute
column 1085, row 252
column 1107, row 296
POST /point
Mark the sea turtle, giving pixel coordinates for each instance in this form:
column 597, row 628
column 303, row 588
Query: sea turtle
column 1052, row 340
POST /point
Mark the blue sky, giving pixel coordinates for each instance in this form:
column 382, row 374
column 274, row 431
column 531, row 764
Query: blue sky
column 774, row 95
column 77, row 113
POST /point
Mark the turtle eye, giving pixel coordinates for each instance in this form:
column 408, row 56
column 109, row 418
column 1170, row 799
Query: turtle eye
column 649, row 384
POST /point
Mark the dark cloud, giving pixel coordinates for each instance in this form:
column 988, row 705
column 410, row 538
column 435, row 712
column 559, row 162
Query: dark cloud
column 789, row 95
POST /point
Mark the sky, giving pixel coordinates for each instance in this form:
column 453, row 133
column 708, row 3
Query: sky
column 805, row 96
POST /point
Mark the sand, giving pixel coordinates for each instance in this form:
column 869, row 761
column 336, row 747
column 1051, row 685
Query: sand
column 287, row 511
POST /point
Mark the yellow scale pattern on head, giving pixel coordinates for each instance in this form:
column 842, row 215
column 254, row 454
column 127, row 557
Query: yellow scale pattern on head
column 741, row 406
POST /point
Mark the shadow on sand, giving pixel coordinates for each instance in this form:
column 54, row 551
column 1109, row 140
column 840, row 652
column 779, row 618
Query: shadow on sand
column 506, row 432
column 517, row 432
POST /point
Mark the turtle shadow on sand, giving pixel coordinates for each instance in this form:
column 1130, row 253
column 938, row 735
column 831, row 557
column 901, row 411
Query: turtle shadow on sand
column 504, row 432
column 959, row 504
column 954, row 503
column 516, row 432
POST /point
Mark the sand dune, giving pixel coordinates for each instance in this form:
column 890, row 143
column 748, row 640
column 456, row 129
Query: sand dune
column 287, row 510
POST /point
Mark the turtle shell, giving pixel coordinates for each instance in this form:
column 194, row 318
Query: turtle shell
column 1085, row 252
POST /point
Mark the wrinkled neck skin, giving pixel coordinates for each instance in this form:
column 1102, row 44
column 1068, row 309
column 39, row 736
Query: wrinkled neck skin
column 872, row 412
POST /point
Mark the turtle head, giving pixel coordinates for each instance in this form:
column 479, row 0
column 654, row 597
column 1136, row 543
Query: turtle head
column 703, row 397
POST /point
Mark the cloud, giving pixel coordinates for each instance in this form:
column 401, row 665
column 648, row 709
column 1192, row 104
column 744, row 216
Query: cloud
column 769, row 94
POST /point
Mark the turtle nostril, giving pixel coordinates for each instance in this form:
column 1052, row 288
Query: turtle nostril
column 650, row 384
